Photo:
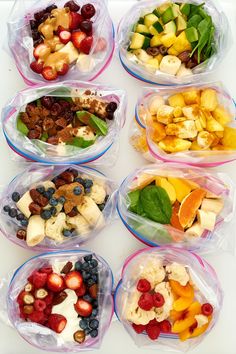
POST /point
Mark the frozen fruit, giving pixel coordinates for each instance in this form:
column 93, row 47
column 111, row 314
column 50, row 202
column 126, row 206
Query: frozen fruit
column 64, row 36
column 39, row 305
column 55, row 282
column 81, row 291
column 88, row 11
column 72, row 6
column 28, row 309
column 57, row 322
column 93, row 291
column 37, row 66
column 59, row 298
column 83, row 308
column 143, row 285
column 182, row 303
column 158, row 300
column 180, row 290
column 49, row 298
column 77, row 38
column 39, row 279
column 145, row 302
column 153, row 331
column 165, row 326
column 40, row 293
column 86, row 26
column 48, row 73
column 79, row 336
column 174, row 221
column 75, row 20
column 189, row 206
column 41, row 51
column 207, row 309
column 37, row 316
column 73, row 280
column 100, row 45
column 138, row 328
column 28, row 299
column 47, row 270
column 63, row 69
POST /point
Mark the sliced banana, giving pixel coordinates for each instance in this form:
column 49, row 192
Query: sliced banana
column 23, row 204
column 90, row 211
column 170, row 64
column 207, row 219
column 183, row 71
column 79, row 223
column 35, row 230
column 195, row 230
column 214, row 205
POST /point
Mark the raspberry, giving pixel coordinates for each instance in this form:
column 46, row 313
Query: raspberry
column 153, row 322
column 138, row 328
column 143, row 286
column 145, row 302
column 20, row 297
column 207, row 309
column 48, row 310
column 48, row 299
column 158, row 299
column 165, row 326
column 39, row 305
column 39, row 279
column 153, row 331
column 37, row 316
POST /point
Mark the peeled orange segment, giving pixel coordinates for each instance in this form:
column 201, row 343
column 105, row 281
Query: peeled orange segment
column 182, row 303
column 182, row 189
column 189, row 207
column 142, row 181
column 174, row 221
column 184, row 291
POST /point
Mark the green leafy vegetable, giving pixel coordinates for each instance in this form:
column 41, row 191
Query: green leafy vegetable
column 194, row 21
column 133, row 198
column 98, row 124
column 80, row 142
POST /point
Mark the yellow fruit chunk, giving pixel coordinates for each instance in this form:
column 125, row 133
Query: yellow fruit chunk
column 182, row 291
column 229, row 138
column 142, row 181
column 179, row 119
column 176, row 315
column 182, row 303
column 157, row 132
column 165, row 114
column 184, row 335
column 195, row 146
column 181, row 325
column 173, row 144
column 153, row 62
column 168, row 39
column 209, row 99
column 178, row 112
column 181, row 187
column 200, row 330
column 181, row 44
column 191, row 97
column 187, row 318
column 176, row 100
column 159, row 57
column 162, row 182
column 213, row 126
column 194, row 309
column 173, row 51
column 222, row 115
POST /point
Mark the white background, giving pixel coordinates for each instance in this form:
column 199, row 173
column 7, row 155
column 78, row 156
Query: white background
column 115, row 243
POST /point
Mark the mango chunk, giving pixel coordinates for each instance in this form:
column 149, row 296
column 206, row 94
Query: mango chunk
column 162, row 182
column 173, row 144
column 158, row 132
column 209, row 99
column 222, row 115
column 181, row 187
column 191, row 97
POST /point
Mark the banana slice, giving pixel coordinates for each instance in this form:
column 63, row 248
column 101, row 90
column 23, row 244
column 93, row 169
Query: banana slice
column 90, row 211
column 183, row 71
column 35, row 230
column 214, row 205
column 23, row 204
column 170, row 64
column 79, row 223
column 207, row 219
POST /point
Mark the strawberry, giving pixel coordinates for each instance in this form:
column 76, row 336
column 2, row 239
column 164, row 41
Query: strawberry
column 143, row 286
column 37, row 316
column 83, row 308
column 47, row 270
column 100, row 45
column 207, row 309
column 48, row 310
column 153, row 331
column 57, row 322
column 64, row 36
column 39, row 279
column 39, row 305
column 63, row 69
column 158, row 300
column 81, row 291
column 73, row 280
column 165, row 326
column 37, row 66
column 75, row 20
column 77, row 38
column 145, row 302
column 55, row 282
column 48, row 73
column 41, row 51
column 93, row 291
column 86, row 44
column 138, row 328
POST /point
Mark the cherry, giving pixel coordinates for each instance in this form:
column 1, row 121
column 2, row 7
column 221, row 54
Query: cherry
column 86, row 26
column 72, row 6
column 88, row 11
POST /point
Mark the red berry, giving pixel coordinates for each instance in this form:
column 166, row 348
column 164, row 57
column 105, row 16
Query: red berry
column 41, row 50
column 37, row 316
column 207, row 309
column 86, row 44
column 75, row 20
column 88, row 11
column 138, row 328
column 65, row 36
column 83, row 308
column 39, row 279
column 37, row 67
column 39, row 305
column 72, row 5
column 20, row 297
column 48, row 73
column 47, row 270
column 23, row 315
column 63, row 69
column 153, row 322
column 73, row 280
column 57, row 322
column 153, row 331
column 55, row 282
column 165, row 326
column 48, row 299
column 158, row 299
column 77, row 38
column 143, row 286
column 48, row 310
column 145, row 302
column 86, row 26
column 93, row 291
column 81, row 291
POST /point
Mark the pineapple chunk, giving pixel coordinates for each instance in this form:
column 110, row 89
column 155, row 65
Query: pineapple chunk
column 219, row 134
column 168, row 39
column 159, row 57
column 220, row 147
column 153, row 62
column 229, row 138
column 172, row 51
column 222, row 115
column 216, row 140
column 173, row 144
column 183, row 130
column 202, row 119
column 154, row 103
column 157, row 132
column 209, row 99
column 191, row 97
column 195, row 146
column 179, row 119
column 198, row 125
column 205, row 139
column 181, row 44
column 171, row 129
column 71, row 51
column 165, row 114
column 178, row 112
column 176, row 100
column 191, row 112
column 213, row 126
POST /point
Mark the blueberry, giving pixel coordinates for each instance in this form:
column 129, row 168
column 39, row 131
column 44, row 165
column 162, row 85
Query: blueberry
column 88, row 258
column 83, row 324
column 79, row 180
column 20, row 217
column 94, row 277
column 6, row 208
column 40, row 189
column 94, row 271
column 94, row 312
column 87, row 298
column 47, row 194
column 94, row 263
column 94, row 333
column 51, row 190
column 85, row 275
column 88, row 183
column 46, row 214
column 90, row 282
column 78, row 265
column 77, row 190
column 85, row 266
column 12, row 213
column 66, row 233
column 24, row 222
column 53, row 201
column 94, row 324
column 87, row 190
column 15, row 197
column 62, row 200
column 53, row 211
column 101, row 206
column 87, row 331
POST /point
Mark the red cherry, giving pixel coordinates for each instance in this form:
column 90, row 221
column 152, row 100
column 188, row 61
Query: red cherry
column 207, row 309
column 158, row 299
column 143, row 286
column 37, row 67
column 145, row 302
column 88, row 11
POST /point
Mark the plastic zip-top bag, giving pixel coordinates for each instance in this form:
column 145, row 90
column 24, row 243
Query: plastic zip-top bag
column 61, row 301
column 67, row 38
column 157, row 46
column 56, row 207
column 172, row 204
column 69, row 122
column 194, row 125
column 167, row 299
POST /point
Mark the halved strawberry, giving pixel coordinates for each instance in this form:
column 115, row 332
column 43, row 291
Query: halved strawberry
column 73, row 280
column 83, row 308
column 59, row 29
column 41, row 51
column 86, row 44
column 75, row 20
column 37, row 66
column 49, row 74
column 64, row 36
column 63, row 69
column 57, row 322
column 81, row 291
column 77, row 38
column 55, row 282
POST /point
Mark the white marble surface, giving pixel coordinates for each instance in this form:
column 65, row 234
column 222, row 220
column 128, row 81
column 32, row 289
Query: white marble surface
column 115, row 243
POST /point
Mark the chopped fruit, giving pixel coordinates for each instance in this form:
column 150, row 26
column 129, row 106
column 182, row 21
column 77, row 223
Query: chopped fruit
column 41, row 51
column 182, row 303
column 162, row 182
column 41, row 293
column 73, row 280
column 83, row 308
column 64, row 36
column 175, row 217
column 143, row 285
column 184, row 291
column 138, row 328
column 55, row 282
column 146, row 302
column 189, row 207
column 79, row 336
column 77, row 37
column 165, row 326
column 75, row 20
column 48, row 73
column 86, row 44
column 39, row 279
column 93, row 291
column 153, row 331
column 88, row 11
column 40, row 305
column 182, row 188
column 37, row 316
column 57, row 322
column 63, row 70
column 207, row 309
column 81, row 291
column 47, row 270
column 37, row 66
column 28, row 299
column 158, row 300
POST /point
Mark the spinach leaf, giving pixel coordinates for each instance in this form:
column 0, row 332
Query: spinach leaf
column 194, row 21
column 156, row 204
column 133, row 198
column 210, row 44
column 204, row 32
column 195, row 8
